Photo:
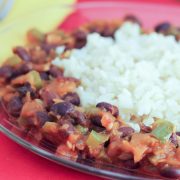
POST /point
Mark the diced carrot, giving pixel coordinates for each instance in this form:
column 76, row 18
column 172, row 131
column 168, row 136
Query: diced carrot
column 31, row 107
column 141, row 143
column 35, row 36
column 64, row 152
column 107, row 120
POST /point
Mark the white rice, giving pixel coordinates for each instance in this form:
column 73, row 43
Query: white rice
column 139, row 73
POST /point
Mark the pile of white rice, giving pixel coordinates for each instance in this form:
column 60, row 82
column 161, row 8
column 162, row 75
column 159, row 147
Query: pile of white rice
column 139, row 73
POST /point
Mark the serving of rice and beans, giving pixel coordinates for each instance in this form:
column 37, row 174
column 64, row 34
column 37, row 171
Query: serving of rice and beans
column 107, row 92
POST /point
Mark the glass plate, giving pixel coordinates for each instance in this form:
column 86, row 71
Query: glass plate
column 70, row 17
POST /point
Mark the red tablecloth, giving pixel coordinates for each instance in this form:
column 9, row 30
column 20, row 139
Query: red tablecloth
column 143, row 1
column 17, row 163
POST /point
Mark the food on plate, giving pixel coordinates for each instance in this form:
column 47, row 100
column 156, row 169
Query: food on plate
column 106, row 92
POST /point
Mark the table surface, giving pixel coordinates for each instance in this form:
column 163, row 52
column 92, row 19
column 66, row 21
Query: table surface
column 18, row 163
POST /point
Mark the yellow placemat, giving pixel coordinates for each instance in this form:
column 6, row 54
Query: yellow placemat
column 22, row 7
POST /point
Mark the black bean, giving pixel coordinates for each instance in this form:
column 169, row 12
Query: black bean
column 126, row 131
column 72, row 98
column 107, row 32
column 170, row 172
column 22, row 53
column 55, row 71
column 79, row 118
column 178, row 133
column 94, row 29
column 95, row 123
column 47, row 47
column 97, row 128
column 42, row 118
column 96, row 120
column 80, row 39
column 23, row 69
column 108, row 107
column 174, row 139
column 133, row 19
column 163, row 27
column 80, row 35
column 178, row 37
column 24, row 89
column 106, row 144
column 6, row 72
column 62, row 108
column 44, row 76
column 145, row 128
column 80, row 44
column 14, row 106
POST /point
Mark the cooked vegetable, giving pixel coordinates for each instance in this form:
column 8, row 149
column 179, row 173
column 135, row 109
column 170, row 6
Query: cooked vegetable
column 50, row 127
column 103, row 156
column 30, row 108
column 12, row 61
column 163, row 129
column 107, row 120
column 33, row 77
column 91, row 110
column 141, row 144
column 35, row 36
column 62, row 85
column 82, row 129
column 95, row 139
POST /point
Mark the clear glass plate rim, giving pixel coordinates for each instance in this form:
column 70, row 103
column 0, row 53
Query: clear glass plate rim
column 68, row 163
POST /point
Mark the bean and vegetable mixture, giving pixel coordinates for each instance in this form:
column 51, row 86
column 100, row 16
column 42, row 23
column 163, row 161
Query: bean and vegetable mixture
column 43, row 102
